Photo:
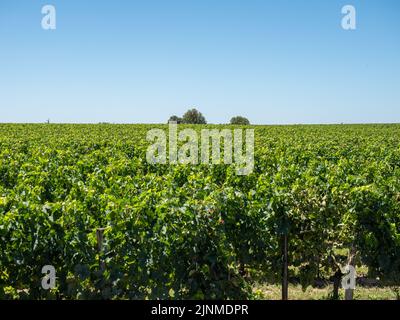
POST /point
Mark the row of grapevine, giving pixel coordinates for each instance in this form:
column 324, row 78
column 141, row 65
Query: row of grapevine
column 192, row 231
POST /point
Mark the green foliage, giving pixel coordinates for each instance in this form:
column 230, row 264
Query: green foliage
column 186, row 231
column 176, row 119
column 240, row 121
column 193, row 116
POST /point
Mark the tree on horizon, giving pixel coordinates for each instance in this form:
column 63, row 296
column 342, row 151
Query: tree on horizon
column 239, row 120
column 193, row 116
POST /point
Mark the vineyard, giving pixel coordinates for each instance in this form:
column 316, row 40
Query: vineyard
column 83, row 199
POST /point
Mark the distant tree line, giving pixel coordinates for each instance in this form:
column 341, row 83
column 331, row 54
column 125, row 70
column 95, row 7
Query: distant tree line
column 193, row 116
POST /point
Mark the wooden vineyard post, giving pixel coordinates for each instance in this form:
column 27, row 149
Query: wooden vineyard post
column 348, row 293
column 285, row 267
column 100, row 238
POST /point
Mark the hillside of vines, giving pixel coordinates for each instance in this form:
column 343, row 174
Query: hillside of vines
column 192, row 231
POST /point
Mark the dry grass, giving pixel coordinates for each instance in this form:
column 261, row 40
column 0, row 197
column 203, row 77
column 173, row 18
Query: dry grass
column 273, row 292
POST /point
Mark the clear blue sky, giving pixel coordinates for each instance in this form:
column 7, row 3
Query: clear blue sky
column 275, row 62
